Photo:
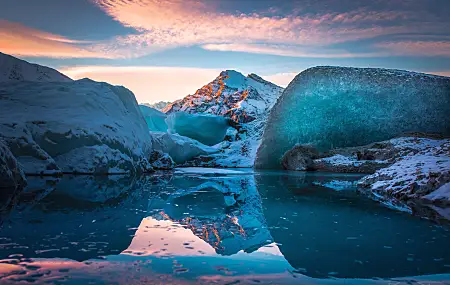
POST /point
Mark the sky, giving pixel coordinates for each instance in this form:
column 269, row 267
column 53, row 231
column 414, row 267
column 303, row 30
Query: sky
column 167, row 49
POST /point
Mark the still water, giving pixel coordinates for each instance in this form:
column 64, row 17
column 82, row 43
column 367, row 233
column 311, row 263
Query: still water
column 201, row 227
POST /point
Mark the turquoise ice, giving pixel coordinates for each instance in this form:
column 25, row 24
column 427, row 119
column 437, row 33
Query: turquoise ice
column 205, row 128
column 155, row 119
column 334, row 107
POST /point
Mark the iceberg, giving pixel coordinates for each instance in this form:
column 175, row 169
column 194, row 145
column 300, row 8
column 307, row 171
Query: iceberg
column 155, row 119
column 74, row 127
column 205, row 128
column 180, row 149
column 333, row 107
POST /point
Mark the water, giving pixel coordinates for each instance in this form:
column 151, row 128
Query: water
column 199, row 228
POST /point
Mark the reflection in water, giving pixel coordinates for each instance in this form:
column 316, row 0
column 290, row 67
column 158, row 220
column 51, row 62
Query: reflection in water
column 254, row 228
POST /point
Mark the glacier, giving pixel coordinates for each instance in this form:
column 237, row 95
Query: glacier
column 205, row 128
column 74, row 127
column 156, row 120
column 332, row 107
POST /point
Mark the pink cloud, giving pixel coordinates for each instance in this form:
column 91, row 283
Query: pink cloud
column 173, row 23
column 20, row 40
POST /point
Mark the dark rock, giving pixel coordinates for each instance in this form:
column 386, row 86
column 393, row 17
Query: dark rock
column 300, row 158
column 161, row 161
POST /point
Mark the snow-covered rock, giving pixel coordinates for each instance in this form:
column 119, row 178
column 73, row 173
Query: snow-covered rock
column 11, row 174
column 156, row 120
column 247, row 101
column 15, row 70
column 180, row 149
column 161, row 160
column 232, row 95
column 416, row 175
column 158, row 105
column 332, row 107
column 205, row 128
column 74, row 127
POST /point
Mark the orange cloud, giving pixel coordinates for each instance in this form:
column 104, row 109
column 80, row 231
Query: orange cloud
column 20, row 40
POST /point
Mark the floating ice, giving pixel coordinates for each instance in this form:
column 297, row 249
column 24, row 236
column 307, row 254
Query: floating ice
column 180, row 149
column 207, row 129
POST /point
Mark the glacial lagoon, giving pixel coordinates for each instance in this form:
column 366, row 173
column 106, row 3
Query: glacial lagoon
column 200, row 226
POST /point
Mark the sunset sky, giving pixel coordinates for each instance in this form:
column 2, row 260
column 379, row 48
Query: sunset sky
column 166, row 49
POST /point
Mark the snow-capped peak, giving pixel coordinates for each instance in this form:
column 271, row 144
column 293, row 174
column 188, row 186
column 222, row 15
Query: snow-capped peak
column 13, row 69
column 231, row 94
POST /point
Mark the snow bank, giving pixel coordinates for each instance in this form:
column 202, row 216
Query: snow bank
column 15, row 70
column 75, row 127
column 421, row 175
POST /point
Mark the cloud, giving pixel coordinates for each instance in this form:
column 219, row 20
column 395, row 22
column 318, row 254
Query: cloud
column 423, row 48
column 148, row 83
column 284, row 50
column 175, row 23
column 20, row 40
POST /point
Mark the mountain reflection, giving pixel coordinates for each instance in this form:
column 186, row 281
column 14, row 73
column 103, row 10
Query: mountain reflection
column 177, row 228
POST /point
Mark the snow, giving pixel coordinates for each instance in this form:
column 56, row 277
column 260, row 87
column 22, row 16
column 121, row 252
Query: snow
column 441, row 194
column 180, row 149
column 15, row 70
column 80, row 126
column 158, row 105
column 155, row 119
column 335, row 107
column 232, row 95
column 207, row 129
column 415, row 174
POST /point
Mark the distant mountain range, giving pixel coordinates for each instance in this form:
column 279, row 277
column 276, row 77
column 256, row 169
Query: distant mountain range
column 158, row 105
column 16, row 70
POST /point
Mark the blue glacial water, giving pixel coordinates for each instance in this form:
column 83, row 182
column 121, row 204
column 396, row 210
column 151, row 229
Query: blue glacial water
column 241, row 227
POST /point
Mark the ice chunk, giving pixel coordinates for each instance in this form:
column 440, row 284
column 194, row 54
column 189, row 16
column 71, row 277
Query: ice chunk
column 334, row 107
column 11, row 174
column 80, row 126
column 155, row 119
column 180, row 148
column 207, row 129
column 15, row 70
